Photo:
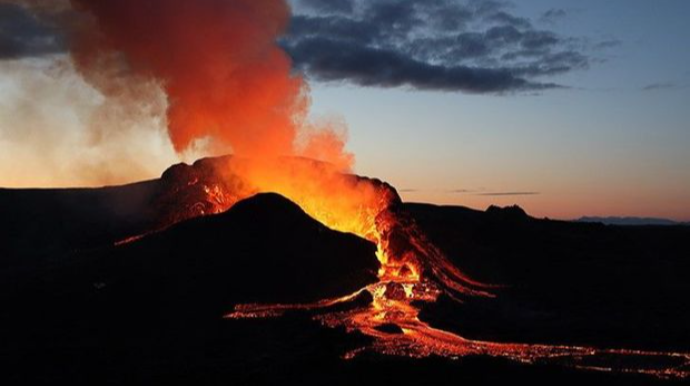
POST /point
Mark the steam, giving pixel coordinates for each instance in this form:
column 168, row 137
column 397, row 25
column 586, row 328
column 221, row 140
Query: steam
column 207, row 72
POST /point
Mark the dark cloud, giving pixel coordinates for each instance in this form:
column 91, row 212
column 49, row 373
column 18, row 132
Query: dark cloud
column 469, row 46
column 475, row 46
column 329, row 6
column 509, row 194
column 368, row 66
column 504, row 18
column 22, row 34
column 346, row 29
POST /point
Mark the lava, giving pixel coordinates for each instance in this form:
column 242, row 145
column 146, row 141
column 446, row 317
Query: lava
column 228, row 81
column 418, row 339
column 413, row 271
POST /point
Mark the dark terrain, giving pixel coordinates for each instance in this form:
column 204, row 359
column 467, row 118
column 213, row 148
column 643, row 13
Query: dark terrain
column 565, row 282
column 76, row 308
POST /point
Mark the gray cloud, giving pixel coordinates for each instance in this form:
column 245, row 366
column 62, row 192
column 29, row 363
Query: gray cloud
column 553, row 15
column 660, row 86
column 22, row 34
column 447, row 45
column 330, row 6
column 465, row 45
column 608, row 43
column 367, row 66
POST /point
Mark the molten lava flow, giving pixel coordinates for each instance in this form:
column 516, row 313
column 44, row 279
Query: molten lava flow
column 413, row 271
column 344, row 202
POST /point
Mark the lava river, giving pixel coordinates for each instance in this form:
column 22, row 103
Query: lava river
column 392, row 320
column 413, row 271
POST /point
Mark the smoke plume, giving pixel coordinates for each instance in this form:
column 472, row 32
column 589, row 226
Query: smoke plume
column 227, row 85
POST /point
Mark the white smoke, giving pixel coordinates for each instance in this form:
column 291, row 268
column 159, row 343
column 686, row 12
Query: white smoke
column 56, row 130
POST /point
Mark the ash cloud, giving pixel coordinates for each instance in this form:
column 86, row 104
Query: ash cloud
column 208, row 72
column 445, row 45
column 228, row 86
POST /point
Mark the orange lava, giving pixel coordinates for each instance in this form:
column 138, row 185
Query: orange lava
column 418, row 339
column 413, row 271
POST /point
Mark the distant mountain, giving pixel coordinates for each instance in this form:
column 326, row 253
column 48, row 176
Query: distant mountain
column 631, row 221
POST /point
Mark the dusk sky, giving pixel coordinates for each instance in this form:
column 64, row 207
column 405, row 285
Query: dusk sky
column 613, row 142
column 571, row 108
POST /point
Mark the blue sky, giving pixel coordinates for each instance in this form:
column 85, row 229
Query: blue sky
column 606, row 146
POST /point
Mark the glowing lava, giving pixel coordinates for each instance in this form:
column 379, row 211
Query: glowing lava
column 413, row 271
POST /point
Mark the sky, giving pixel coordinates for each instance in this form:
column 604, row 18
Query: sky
column 566, row 108
column 615, row 142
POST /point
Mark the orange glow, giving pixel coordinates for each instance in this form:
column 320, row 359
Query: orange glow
column 228, row 82
column 343, row 202
column 223, row 73
column 413, row 271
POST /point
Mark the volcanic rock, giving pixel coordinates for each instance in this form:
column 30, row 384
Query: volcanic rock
column 169, row 289
column 44, row 224
column 390, row 328
column 562, row 282
column 395, row 291
column 508, row 213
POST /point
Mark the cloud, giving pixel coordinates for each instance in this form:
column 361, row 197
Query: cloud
column 494, row 194
column 446, row 45
column 463, row 191
column 553, row 15
column 366, row 66
column 660, row 86
column 330, row 6
column 23, row 34
column 608, row 43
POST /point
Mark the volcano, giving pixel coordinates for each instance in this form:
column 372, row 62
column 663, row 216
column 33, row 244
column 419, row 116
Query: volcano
column 288, row 270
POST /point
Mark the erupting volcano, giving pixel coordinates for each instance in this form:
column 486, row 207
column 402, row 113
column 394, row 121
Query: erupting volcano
column 282, row 234
column 412, row 270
